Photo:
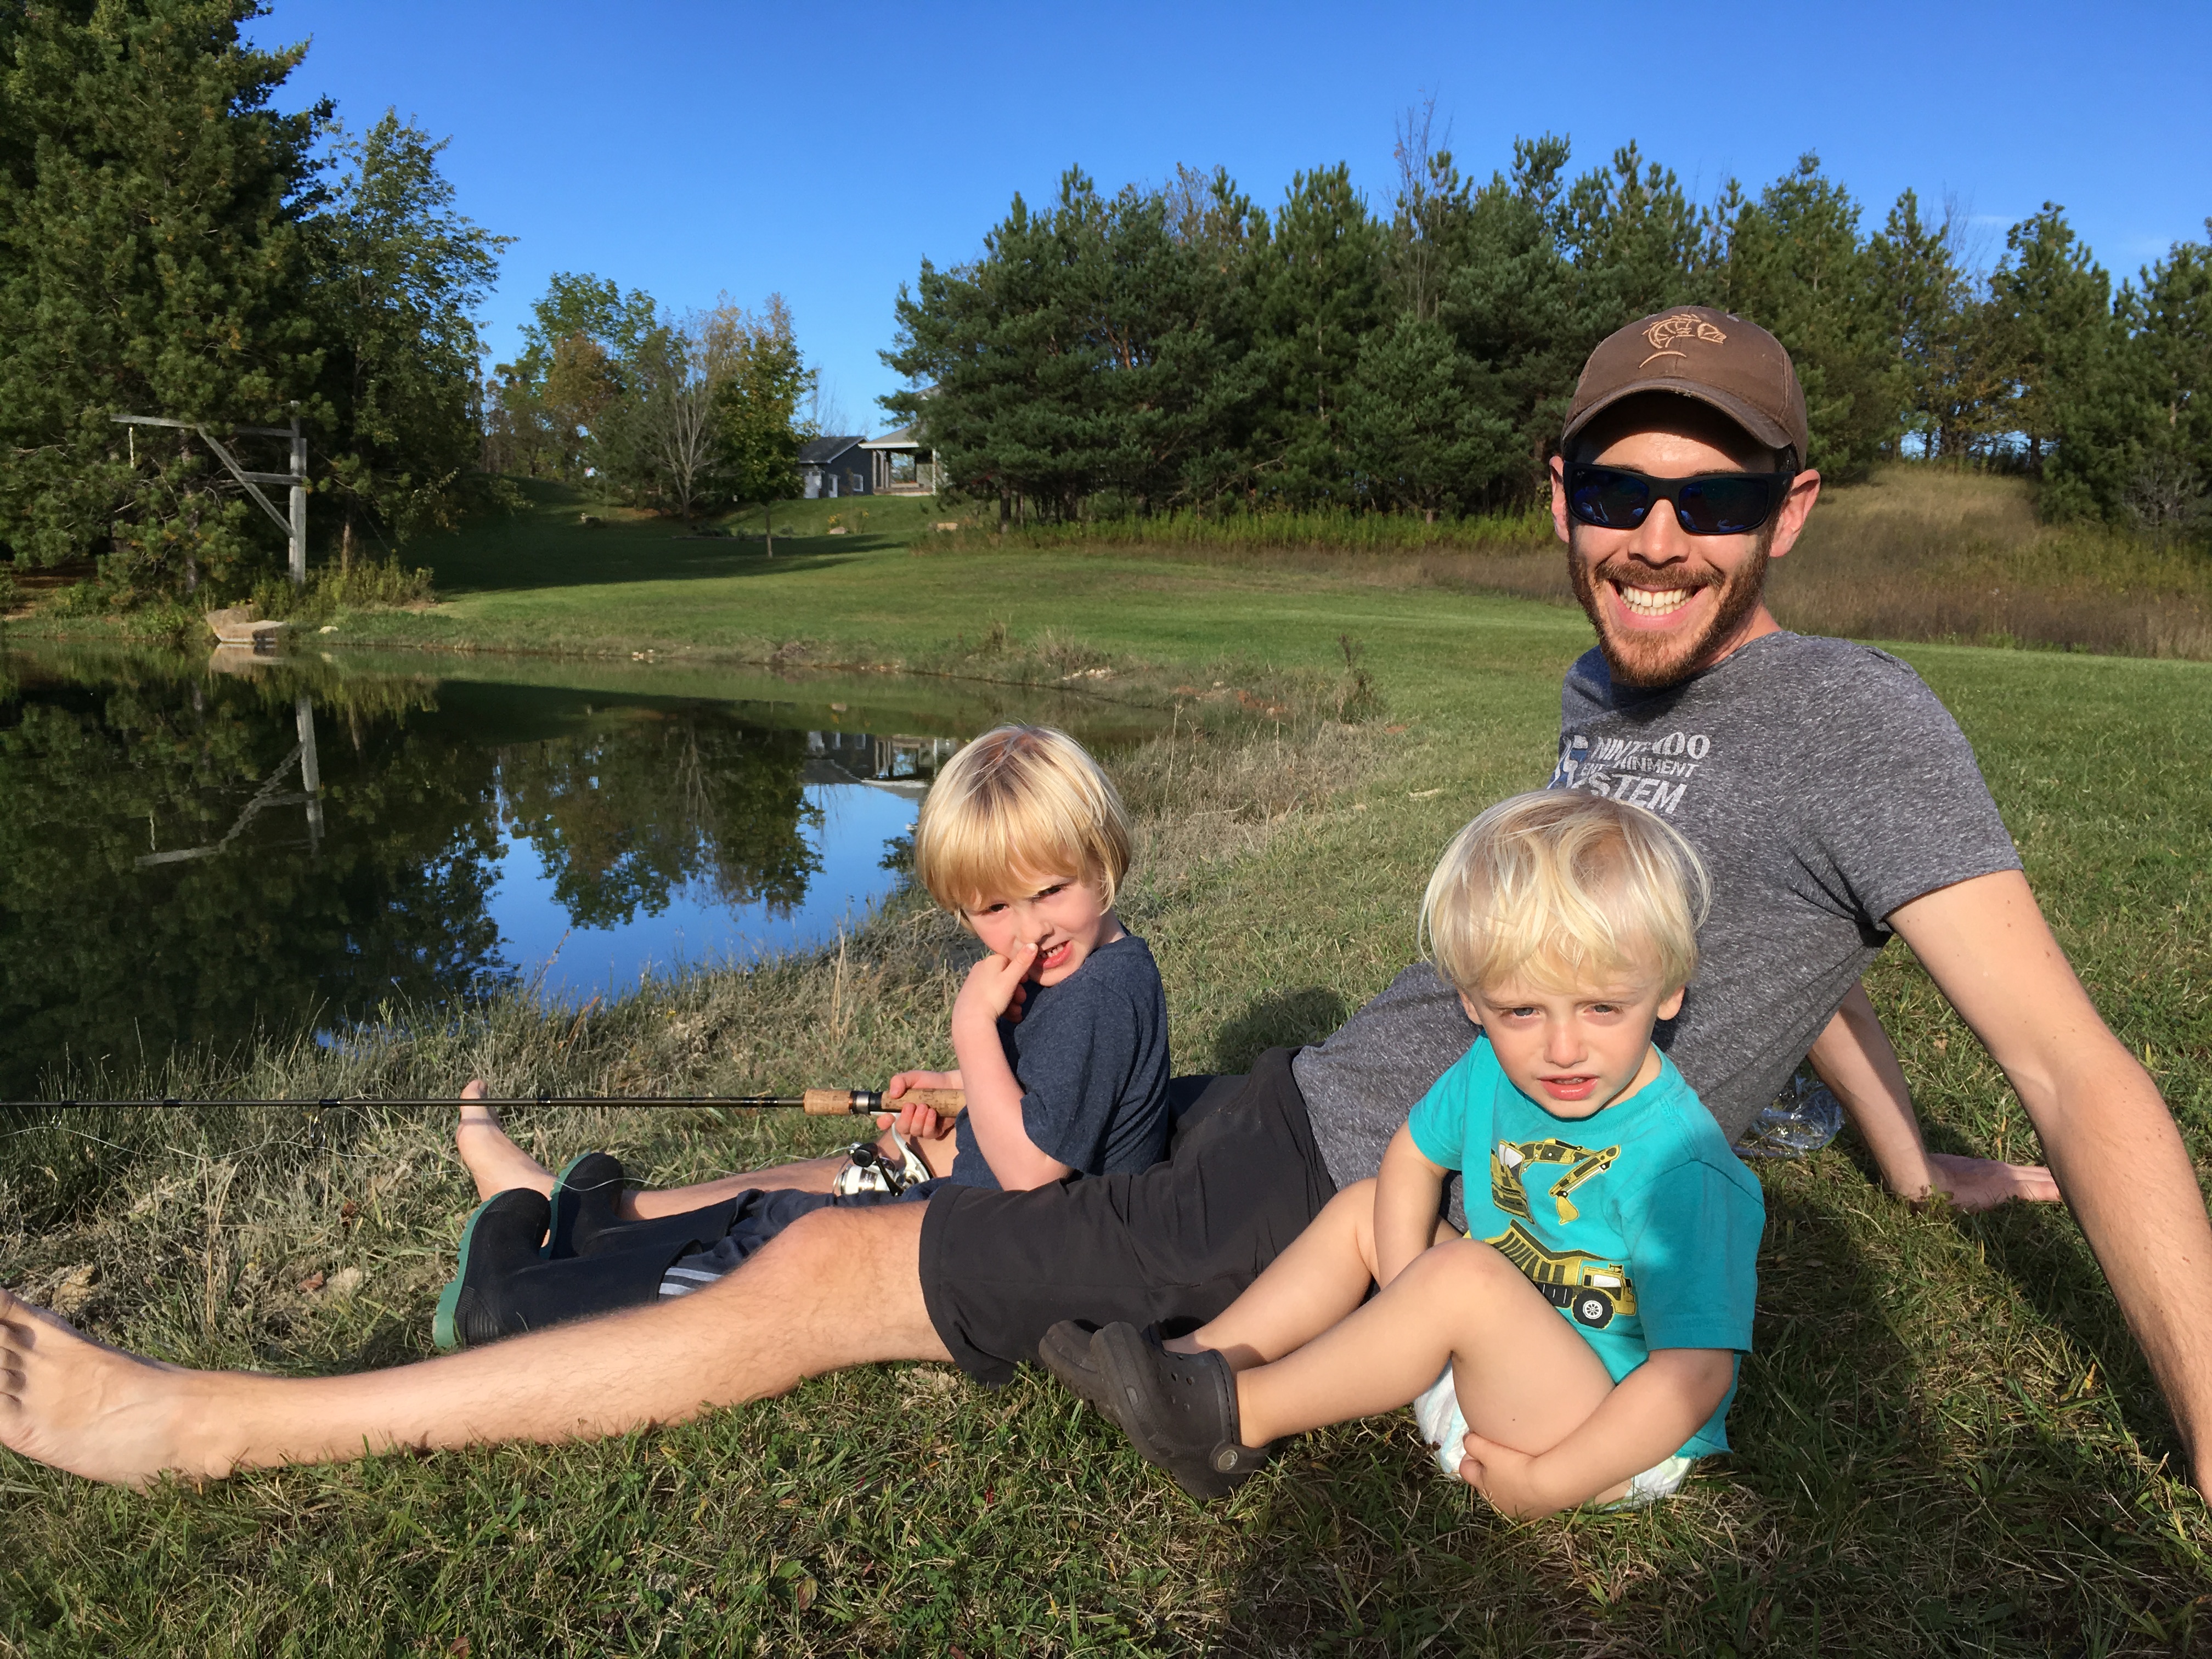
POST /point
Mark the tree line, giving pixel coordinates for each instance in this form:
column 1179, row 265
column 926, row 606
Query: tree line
column 173, row 245
column 703, row 411
column 1181, row 348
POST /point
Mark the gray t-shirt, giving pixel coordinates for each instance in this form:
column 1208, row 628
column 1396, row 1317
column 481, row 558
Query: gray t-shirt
column 1091, row 1055
column 1823, row 785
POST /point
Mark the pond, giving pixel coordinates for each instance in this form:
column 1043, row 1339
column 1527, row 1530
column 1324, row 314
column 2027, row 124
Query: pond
column 192, row 853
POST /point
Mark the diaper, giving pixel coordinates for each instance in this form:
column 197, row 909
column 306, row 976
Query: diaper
column 1444, row 1427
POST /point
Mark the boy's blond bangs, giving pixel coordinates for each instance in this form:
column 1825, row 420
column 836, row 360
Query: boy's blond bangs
column 1019, row 801
column 1563, row 891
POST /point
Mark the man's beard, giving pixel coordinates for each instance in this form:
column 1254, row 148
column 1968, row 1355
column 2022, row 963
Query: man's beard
column 1663, row 658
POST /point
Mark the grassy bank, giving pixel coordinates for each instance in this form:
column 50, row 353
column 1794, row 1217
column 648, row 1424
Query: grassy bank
column 1946, row 1443
column 1916, row 554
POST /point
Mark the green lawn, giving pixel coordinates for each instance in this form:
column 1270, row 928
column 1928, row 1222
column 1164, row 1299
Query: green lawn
column 1947, row 1443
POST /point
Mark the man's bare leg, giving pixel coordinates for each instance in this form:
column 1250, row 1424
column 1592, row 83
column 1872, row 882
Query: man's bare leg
column 81, row 1405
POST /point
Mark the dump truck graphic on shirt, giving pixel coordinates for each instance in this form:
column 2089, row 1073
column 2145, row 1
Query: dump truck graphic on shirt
column 1592, row 1290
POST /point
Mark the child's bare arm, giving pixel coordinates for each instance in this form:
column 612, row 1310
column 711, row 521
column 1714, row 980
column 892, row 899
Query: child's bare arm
column 1407, row 1195
column 995, row 1096
column 1645, row 1418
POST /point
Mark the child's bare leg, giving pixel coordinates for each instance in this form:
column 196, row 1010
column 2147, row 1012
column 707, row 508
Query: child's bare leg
column 1310, row 1287
column 1525, row 1379
column 492, row 1159
column 497, row 1165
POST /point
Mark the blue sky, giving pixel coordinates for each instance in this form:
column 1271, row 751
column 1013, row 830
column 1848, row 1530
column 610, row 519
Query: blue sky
column 690, row 148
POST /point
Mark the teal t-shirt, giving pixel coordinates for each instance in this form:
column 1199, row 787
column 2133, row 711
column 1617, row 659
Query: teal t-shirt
column 1637, row 1223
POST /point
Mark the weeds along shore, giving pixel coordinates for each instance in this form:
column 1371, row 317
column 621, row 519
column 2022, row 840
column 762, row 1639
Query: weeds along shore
column 850, row 1014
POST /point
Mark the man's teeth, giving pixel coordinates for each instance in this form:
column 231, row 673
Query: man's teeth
column 1655, row 601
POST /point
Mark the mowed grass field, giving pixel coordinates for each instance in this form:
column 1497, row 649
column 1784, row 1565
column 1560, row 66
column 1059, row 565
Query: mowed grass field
column 1946, row 1441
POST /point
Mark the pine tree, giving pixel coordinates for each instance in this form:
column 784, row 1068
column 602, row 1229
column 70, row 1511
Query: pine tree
column 1793, row 262
column 397, row 273
column 1320, row 296
column 151, row 262
column 757, row 409
column 1930, row 319
column 1517, row 310
column 2170, row 320
column 2052, row 305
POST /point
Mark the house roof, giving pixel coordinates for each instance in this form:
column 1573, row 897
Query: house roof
column 820, row 452
column 904, row 438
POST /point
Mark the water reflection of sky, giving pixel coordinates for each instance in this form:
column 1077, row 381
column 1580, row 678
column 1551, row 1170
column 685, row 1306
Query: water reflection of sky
column 696, row 928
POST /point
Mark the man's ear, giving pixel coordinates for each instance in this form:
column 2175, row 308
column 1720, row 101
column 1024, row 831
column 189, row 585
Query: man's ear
column 1796, row 507
column 1670, row 1005
column 1558, row 465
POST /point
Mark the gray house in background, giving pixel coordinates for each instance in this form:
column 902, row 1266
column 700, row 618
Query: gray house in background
column 835, row 467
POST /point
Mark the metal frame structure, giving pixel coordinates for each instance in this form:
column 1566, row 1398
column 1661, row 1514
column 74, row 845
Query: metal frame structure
column 296, row 526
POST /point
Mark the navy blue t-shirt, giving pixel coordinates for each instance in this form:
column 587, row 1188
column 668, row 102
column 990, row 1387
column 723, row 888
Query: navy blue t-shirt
column 1091, row 1055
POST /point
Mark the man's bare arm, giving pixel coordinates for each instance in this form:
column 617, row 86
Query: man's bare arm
column 2108, row 1137
column 1855, row 1058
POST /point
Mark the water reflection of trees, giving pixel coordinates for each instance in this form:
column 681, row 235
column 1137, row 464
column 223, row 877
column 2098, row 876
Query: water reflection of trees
column 651, row 799
column 103, row 953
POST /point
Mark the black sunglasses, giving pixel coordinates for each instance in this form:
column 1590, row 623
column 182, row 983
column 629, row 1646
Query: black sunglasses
column 1706, row 503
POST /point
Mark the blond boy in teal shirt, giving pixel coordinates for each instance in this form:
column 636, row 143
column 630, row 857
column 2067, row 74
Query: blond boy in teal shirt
column 1587, row 1333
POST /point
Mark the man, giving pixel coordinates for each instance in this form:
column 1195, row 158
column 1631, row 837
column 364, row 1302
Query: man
column 1680, row 478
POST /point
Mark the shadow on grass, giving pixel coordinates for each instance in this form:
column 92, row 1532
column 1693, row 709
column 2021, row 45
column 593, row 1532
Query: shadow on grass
column 622, row 559
column 2039, row 1251
column 1873, row 1503
column 1281, row 1019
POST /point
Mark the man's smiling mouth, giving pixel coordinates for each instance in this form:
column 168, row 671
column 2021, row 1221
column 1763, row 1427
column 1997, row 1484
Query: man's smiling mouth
column 1654, row 603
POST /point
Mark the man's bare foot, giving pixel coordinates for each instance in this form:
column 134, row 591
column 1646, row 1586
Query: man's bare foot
column 496, row 1163
column 95, row 1411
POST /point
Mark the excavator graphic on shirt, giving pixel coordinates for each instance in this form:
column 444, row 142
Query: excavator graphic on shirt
column 1592, row 1290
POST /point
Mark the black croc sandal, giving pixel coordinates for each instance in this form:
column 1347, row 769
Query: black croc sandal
column 1179, row 1410
column 1066, row 1352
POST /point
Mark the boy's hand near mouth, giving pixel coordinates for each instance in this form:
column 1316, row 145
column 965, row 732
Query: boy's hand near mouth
column 994, row 1096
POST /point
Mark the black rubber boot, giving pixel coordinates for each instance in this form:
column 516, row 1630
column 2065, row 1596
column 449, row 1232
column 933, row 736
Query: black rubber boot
column 587, row 1201
column 499, row 1238
column 1179, row 1410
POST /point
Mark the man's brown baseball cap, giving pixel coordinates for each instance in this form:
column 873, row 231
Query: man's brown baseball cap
column 1694, row 351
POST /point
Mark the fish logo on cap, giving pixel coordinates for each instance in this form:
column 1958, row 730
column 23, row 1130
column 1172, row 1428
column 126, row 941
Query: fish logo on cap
column 1681, row 326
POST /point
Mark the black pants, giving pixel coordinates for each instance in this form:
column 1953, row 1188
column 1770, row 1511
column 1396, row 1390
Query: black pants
column 1177, row 1242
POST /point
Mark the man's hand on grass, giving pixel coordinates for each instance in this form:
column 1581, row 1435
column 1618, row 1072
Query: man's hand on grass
column 1983, row 1183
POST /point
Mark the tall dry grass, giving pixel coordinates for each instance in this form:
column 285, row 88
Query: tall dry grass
column 1926, row 553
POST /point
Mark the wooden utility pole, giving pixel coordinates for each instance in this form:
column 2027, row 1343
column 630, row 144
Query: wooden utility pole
column 294, row 526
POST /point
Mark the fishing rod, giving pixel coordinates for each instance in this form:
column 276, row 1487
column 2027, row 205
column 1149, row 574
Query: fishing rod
column 815, row 1103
